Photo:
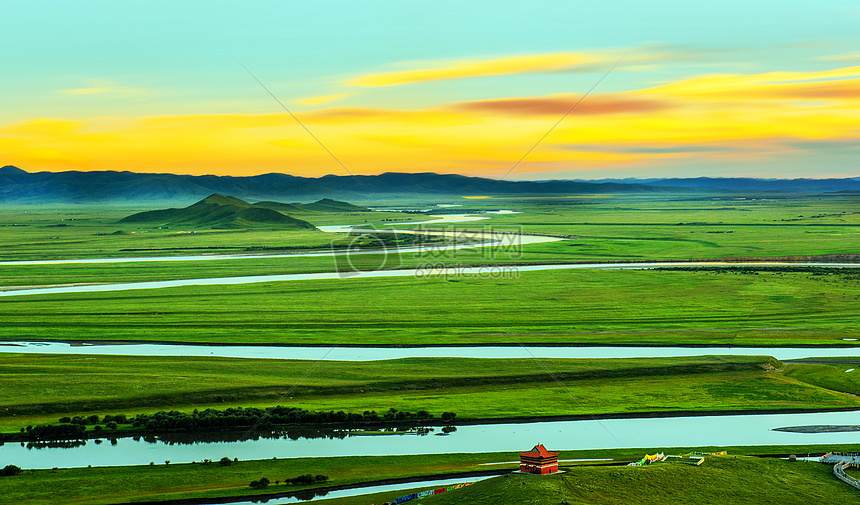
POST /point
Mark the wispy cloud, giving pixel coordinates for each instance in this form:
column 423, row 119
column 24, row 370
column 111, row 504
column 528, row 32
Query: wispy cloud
column 463, row 69
column 320, row 100
column 744, row 118
column 100, row 87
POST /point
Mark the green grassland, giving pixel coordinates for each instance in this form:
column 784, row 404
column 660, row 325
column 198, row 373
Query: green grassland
column 731, row 479
column 60, row 385
column 170, row 482
column 839, row 377
column 610, row 228
column 565, row 306
column 762, row 308
column 32, row 233
column 614, row 228
column 722, row 479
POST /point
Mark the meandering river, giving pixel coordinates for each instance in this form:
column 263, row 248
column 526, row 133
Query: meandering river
column 571, row 435
column 350, row 353
column 488, row 271
column 653, row 433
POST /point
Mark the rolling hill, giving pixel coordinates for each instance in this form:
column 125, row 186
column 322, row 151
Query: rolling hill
column 742, row 480
column 324, row 205
column 219, row 211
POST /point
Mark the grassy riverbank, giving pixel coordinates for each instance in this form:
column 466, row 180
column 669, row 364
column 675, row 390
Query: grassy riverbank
column 726, row 479
column 564, row 306
column 60, row 385
column 735, row 479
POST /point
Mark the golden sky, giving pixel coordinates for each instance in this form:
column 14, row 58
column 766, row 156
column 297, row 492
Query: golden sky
column 704, row 108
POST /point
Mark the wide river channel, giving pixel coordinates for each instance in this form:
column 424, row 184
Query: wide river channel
column 350, row 353
column 651, row 433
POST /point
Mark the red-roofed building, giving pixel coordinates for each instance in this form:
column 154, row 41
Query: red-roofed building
column 539, row 461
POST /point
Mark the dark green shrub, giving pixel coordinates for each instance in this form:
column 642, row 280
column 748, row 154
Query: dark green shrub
column 10, row 470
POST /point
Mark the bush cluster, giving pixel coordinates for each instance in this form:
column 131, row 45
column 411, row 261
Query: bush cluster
column 220, row 420
column 304, row 480
column 10, row 470
column 301, row 480
column 54, row 431
column 259, row 484
column 212, row 419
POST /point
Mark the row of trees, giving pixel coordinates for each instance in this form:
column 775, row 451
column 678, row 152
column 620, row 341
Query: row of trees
column 233, row 418
column 94, row 419
column 301, row 480
column 72, row 428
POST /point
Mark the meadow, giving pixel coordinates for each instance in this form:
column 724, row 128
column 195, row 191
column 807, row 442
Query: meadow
column 475, row 389
column 747, row 306
column 608, row 228
column 719, row 307
column 735, row 479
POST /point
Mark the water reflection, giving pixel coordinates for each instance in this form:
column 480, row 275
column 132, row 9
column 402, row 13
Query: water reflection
column 568, row 435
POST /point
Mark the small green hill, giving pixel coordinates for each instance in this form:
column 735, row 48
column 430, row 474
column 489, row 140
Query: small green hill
column 329, row 205
column 220, row 211
column 280, row 207
column 721, row 479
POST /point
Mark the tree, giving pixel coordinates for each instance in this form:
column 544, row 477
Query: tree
column 225, row 461
column 259, row 484
column 10, row 470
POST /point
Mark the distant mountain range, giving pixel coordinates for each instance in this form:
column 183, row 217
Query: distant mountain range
column 746, row 184
column 219, row 211
column 19, row 186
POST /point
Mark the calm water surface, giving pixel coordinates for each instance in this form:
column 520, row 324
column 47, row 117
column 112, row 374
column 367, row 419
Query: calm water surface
column 653, row 433
column 384, row 353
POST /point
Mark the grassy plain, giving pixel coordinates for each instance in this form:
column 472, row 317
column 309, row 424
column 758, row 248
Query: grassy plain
column 605, row 229
column 735, row 480
column 725, row 479
column 841, row 376
column 59, row 385
column 559, row 307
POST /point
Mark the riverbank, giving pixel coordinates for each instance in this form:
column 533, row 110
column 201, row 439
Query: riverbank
column 382, row 428
column 478, row 390
column 613, row 307
column 15, row 342
column 191, row 483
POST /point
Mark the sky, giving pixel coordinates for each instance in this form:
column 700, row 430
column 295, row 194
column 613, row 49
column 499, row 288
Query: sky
column 753, row 88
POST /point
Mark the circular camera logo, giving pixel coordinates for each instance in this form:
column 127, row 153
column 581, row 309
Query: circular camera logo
column 366, row 250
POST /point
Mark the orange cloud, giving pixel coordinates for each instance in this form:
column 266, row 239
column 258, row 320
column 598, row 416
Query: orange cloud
column 559, row 104
column 475, row 68
column 735, row 117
